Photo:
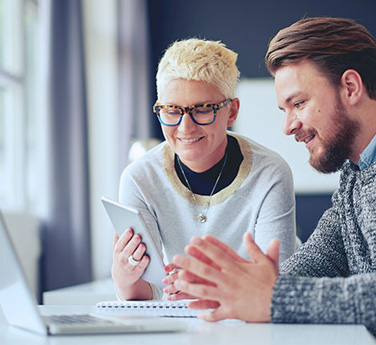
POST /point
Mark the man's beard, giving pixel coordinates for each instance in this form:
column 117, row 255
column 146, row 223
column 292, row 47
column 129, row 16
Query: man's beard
column 339, row 147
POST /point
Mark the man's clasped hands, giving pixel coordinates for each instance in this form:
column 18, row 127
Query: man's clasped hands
column 238, row 288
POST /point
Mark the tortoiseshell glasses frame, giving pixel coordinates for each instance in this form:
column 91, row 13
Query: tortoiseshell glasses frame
column 201, row 114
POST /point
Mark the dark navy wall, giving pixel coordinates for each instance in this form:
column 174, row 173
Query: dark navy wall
column 246, row 26
column 243, row 25
column 309, row 209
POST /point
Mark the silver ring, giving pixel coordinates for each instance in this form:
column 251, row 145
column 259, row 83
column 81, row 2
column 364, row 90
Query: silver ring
column 132, row 261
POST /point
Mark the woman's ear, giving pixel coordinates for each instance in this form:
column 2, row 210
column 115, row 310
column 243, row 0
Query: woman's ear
column 353, row 87
column 235, row 104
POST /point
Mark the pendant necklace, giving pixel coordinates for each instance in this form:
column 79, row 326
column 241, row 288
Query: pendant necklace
column 202, row 218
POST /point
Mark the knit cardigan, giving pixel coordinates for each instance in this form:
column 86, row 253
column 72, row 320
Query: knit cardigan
column 332, row 277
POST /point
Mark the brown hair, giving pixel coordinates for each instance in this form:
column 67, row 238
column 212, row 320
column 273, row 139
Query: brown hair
column 334, row 45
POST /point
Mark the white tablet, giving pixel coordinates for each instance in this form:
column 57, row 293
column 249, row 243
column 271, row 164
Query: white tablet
column 123, row 217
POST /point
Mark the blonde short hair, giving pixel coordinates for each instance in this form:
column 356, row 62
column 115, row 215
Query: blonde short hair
column 200, row 60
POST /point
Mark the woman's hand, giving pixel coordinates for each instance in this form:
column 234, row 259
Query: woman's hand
column 172, row 274
column 126, row 276
column 172, row 270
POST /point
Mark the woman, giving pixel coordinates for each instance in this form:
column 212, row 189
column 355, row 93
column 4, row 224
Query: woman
column 202, row 179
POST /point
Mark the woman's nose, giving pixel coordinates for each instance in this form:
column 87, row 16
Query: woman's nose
column 187, row 124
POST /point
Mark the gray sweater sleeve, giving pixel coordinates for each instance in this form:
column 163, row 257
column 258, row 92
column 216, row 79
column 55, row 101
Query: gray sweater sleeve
column 316, row 284
column 325, row 300
column 323, row 254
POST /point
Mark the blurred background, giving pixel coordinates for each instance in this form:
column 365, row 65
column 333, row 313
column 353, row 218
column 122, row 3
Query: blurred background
column 77, row 85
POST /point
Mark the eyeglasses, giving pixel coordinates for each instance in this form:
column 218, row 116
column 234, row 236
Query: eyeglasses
column 201, row 114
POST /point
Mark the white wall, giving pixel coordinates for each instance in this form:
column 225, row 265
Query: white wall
column 261, row 120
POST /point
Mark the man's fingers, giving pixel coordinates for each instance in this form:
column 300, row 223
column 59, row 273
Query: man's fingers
column 198, row 290
column 273, row 252
column 203, row 304
column 224, row 247
column 199, row 255
column 252, row 248
column 192, row 278
column 215, row 315
column 216, row 254
column 200, row 269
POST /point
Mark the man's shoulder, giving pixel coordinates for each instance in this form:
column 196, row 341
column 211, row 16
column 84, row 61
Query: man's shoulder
column 351, row 174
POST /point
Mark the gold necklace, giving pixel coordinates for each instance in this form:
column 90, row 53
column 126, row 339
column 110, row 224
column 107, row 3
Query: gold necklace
column 202, row 218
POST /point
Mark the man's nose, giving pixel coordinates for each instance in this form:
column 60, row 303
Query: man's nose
column 291, row 124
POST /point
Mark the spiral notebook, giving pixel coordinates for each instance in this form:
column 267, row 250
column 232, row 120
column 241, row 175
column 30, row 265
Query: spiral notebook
column 161, row 308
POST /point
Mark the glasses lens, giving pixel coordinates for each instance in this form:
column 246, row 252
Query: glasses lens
column 170, row 116
column 203, row 115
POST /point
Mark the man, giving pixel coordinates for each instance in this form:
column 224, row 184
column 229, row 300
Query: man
column 325, row 80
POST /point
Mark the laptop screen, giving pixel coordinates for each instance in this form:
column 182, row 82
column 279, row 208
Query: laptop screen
column 17, row 301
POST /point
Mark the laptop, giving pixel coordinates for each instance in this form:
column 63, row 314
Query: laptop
column 20, row 309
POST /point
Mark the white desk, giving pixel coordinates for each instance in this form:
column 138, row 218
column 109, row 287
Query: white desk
column 199, row 332
column 87, row 293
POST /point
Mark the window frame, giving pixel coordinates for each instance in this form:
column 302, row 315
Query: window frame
column 21, row 108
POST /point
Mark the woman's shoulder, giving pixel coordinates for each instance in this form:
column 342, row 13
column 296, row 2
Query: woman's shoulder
column 262, row 157
column 246, row 144
column 150, row 161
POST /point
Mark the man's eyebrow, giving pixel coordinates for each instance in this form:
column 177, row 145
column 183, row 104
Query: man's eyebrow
column 289, row 98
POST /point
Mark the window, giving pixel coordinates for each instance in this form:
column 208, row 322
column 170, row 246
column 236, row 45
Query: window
column 20, row 23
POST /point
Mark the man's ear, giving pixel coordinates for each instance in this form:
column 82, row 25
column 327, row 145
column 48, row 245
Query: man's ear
column 235, row 104
column 353, row 87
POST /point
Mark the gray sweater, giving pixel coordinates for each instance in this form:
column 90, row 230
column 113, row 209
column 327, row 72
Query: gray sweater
column 332, row 277
column 260, row 200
